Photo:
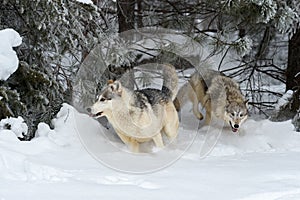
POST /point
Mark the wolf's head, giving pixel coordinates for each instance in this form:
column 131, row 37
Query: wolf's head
column 103, row 104
column 235, row 114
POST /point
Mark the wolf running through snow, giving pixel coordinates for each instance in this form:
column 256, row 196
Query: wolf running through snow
column 219, row 95
column 140, row 115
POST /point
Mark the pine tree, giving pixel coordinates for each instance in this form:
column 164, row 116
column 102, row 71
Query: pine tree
column 57, row 35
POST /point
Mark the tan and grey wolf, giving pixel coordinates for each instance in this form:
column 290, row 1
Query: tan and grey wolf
column 140, row 115
column 219, row 95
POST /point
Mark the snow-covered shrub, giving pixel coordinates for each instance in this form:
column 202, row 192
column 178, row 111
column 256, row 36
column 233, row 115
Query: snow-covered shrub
column 10, row 103
column 283, row 108
column 16, row 125
column 284, row 101
column 32, row 94
column 57, row 35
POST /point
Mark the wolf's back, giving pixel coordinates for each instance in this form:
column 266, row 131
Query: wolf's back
column 170, row 82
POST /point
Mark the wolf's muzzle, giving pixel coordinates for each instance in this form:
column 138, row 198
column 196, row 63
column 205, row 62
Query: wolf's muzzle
column 234, row 127
column 89, row 110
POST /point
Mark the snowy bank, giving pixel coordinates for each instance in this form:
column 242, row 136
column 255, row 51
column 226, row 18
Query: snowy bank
column 8, row 58
column 261, row 163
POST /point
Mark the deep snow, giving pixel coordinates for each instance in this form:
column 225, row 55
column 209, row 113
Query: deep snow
column 261, row 163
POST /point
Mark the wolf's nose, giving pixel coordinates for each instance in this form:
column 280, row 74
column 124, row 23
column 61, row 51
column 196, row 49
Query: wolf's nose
column 236, row 126
column 89, row 110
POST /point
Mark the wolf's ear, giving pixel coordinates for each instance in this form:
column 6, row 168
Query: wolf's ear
column 110, row 81
column 116, row 87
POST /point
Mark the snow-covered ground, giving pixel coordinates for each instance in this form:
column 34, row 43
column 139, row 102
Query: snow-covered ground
column 261, row 163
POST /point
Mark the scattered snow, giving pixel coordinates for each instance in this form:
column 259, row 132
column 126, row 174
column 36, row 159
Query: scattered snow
column 8, row 58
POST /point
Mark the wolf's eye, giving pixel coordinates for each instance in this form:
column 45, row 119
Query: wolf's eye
column 241, row 115
column 232, row 114
column 102, row 99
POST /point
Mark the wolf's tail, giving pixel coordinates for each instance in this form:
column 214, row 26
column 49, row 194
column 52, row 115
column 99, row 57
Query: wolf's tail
column 182, row 96
column 170, row 83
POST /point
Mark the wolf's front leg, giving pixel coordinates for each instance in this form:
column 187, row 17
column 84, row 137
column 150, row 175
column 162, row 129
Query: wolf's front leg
column 208, row 111
column 132, row 144
column 158, row 140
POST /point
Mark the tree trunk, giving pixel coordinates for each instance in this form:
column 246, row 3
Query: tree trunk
column 265, row 43
column 125, row 15
column 139, row 17
column 126, row 22
column 293, row 69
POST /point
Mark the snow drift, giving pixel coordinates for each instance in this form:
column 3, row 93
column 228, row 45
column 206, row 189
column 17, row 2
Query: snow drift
column 261, row 163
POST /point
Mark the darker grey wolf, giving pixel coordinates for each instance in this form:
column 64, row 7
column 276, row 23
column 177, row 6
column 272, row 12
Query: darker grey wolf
column 219, row 95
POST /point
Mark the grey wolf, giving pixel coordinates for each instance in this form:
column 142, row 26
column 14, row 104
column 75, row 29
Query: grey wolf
column 140, row 115
column 219, row 95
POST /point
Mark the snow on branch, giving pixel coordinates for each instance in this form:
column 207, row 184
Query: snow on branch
column 8, row 58
column 85, row 1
